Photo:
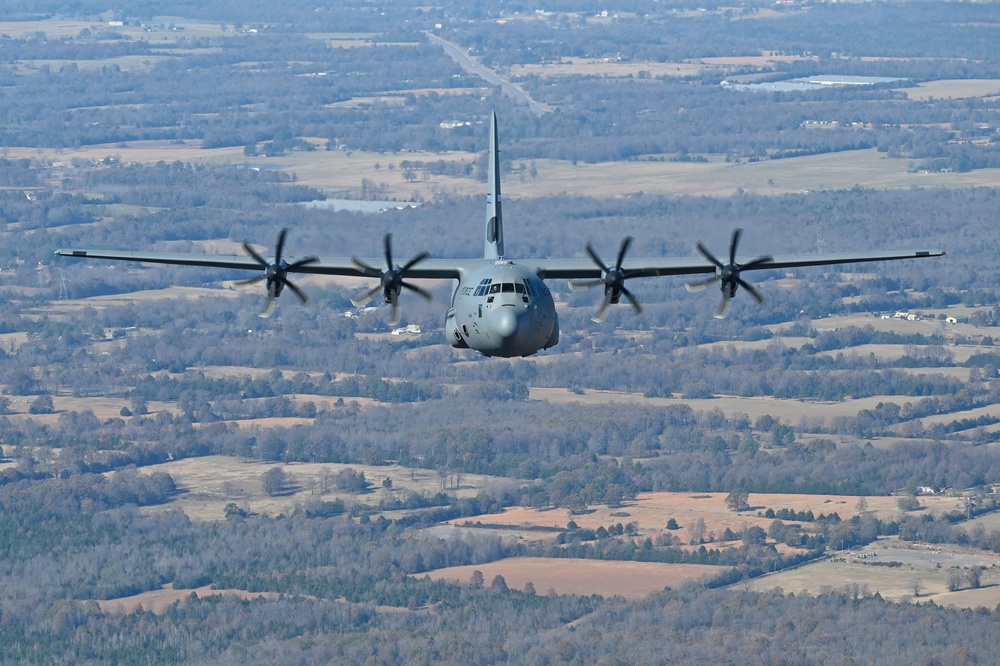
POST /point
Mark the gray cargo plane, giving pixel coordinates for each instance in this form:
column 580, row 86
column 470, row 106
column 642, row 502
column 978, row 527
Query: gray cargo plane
column 500, row 305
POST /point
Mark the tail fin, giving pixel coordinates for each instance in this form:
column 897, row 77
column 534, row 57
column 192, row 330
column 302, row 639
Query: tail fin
column 494, row 217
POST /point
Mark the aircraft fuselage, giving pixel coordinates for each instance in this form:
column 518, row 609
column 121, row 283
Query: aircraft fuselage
column 502, row 309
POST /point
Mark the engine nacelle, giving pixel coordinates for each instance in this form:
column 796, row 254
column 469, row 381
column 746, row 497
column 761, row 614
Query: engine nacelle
column 452, row 333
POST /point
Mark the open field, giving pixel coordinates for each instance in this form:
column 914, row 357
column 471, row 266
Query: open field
column 209, row 483
column 69, row 307
column 988, row 410
column 890, row 352
column 930, row 565
column 792, row 410
column 791, row 342
column 157, row 601
column 343, row 171
column 954, row 88
column 652, row 511
column 632, row 580
column 928, row 326
column 103, row 407
column 606, row 67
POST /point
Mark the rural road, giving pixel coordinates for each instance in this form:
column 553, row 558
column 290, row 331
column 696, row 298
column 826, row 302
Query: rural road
column 458, row 54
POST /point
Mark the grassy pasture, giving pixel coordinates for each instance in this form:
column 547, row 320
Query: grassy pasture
column 716, row 178
column 125, row 63
column 52, row 27
column 926, row 326
column 742, row 345
column 158, row 33
column 988, row 410
column 790, row 410
column 103, row 407
column 953, row 88
column 990, row 522
column 930, row 565
column 207, row 484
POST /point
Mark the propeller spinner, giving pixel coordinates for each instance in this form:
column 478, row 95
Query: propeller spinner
column 729, row 274
column 392, row 280
column 276, row 273
column 613, row 280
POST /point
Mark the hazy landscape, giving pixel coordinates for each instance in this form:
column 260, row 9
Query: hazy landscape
column 183, row 481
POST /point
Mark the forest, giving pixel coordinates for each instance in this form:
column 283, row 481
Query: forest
column 110, row 371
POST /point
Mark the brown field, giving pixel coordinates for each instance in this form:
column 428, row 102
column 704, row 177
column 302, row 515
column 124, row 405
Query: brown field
column 652, row 511
column 928, row 564
column 157, row 601
column 632, row 580
column 209, row 483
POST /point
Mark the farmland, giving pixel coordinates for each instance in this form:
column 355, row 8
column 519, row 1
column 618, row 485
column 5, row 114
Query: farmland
column 184, row 481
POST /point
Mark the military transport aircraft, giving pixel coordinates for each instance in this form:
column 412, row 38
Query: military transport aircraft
column 500, row 305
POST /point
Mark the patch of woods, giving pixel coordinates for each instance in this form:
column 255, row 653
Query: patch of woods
column 334, row 572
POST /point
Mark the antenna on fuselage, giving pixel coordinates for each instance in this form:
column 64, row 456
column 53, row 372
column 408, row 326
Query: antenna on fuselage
column 494, row 217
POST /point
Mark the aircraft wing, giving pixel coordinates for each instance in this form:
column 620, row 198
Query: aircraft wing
column 427, row 269
column 575, row 269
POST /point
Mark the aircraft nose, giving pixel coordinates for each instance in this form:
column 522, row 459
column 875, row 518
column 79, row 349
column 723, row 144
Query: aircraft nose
column 506, row 323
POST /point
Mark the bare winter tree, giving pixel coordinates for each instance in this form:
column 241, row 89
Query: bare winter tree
column 697, row 531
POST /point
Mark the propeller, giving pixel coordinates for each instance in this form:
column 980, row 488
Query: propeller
column 613, row 280
column 729, row 274
column 392, row 280
column 276, row 273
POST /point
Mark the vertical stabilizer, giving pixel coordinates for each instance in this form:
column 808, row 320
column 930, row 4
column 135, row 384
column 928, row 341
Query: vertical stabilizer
column 494, row 217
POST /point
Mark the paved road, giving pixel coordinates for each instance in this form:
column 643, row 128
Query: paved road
column 458, row 54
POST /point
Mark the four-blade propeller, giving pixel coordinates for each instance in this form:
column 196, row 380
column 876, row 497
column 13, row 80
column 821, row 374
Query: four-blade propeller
column 276, row 273
column 613, row 280
column 392, row 280
column 729, row 274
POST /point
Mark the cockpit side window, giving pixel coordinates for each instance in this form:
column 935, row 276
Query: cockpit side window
column 483, row 287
